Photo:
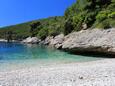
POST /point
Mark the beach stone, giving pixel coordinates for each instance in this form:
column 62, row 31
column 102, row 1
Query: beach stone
column 84, row 26
column 93, row 73
column 80, row 77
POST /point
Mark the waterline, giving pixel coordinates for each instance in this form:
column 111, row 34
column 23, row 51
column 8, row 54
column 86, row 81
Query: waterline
column 16, row 55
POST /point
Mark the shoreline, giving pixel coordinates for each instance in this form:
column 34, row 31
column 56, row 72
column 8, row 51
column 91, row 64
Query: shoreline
column 94, row 73
column 3, row 40
column 95, row 41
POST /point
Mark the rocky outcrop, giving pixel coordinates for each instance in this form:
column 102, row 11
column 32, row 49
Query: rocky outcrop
column 54, row 41
column 57, row 41
column 90, row 40
column 31, row 40
column 94, row 40
column 48, row 40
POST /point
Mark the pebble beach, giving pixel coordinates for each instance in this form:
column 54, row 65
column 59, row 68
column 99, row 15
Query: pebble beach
column 94, row 73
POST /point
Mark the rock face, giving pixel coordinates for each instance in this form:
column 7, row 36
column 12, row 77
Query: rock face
column 31, row 40
column 90, row 40
column 57, row 41
column 54, row 41
column 48, row 40
column 95, row 40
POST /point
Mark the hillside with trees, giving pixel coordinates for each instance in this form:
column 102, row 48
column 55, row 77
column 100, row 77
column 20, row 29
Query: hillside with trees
column 42, row 28
column 84, row 14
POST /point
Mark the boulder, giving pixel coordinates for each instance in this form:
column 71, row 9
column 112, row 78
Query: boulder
column 48, row 40
column 84, row 26
column 91, row 40
column 57, row 41
column 31, row 40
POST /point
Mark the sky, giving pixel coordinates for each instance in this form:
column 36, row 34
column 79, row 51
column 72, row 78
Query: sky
column 19, row 11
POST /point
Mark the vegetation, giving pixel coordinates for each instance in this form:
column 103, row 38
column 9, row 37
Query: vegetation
column 93, row 13
column 34, row 28
column 9, row 36
column 88, row 13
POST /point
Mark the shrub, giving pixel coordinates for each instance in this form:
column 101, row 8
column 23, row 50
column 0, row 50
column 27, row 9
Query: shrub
column 111, row 15
column 77, row 22
column 53, row 32
column 43, row 33
column 102, row 16
column 104, row 24
column 112, row 22
column 68, row 26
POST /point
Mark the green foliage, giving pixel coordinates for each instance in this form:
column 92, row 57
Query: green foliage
column 102, row 15
column 21, row 31
column 94, row 13
column 54, row 31
column 77, row 22
column 9, row 36
column 107, row 23
column 34, row 28
column 68, row 26
column 105, row 19
column 111, row 15
column 43, row 33
column 53, row 24
column 104, row 24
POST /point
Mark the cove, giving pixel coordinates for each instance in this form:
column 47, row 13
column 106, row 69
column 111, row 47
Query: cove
column 21, row 55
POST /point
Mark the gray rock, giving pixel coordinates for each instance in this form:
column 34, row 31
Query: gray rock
column 31, row 40
column 84, row 26
column 48, row 40
column 91, row 40
column 57, row 41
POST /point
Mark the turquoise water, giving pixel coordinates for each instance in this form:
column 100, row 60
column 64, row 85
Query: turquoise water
column 18, row 55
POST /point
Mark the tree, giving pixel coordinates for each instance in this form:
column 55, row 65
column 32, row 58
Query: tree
column 9, row 36
column 34, row 29
column 68, row 27
column 43, row 33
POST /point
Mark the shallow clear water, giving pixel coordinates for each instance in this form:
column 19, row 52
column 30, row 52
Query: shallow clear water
column 18, row 55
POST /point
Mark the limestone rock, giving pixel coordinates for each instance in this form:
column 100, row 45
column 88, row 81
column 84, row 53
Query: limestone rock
column 47, row 40
column 57, row 41
column 31, row 40
column 91, row 40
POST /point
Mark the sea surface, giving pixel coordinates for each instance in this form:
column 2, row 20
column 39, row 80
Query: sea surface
column 17, row 55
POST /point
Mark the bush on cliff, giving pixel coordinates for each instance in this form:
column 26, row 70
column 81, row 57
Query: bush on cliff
column 93, row 13
column 43, row 33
